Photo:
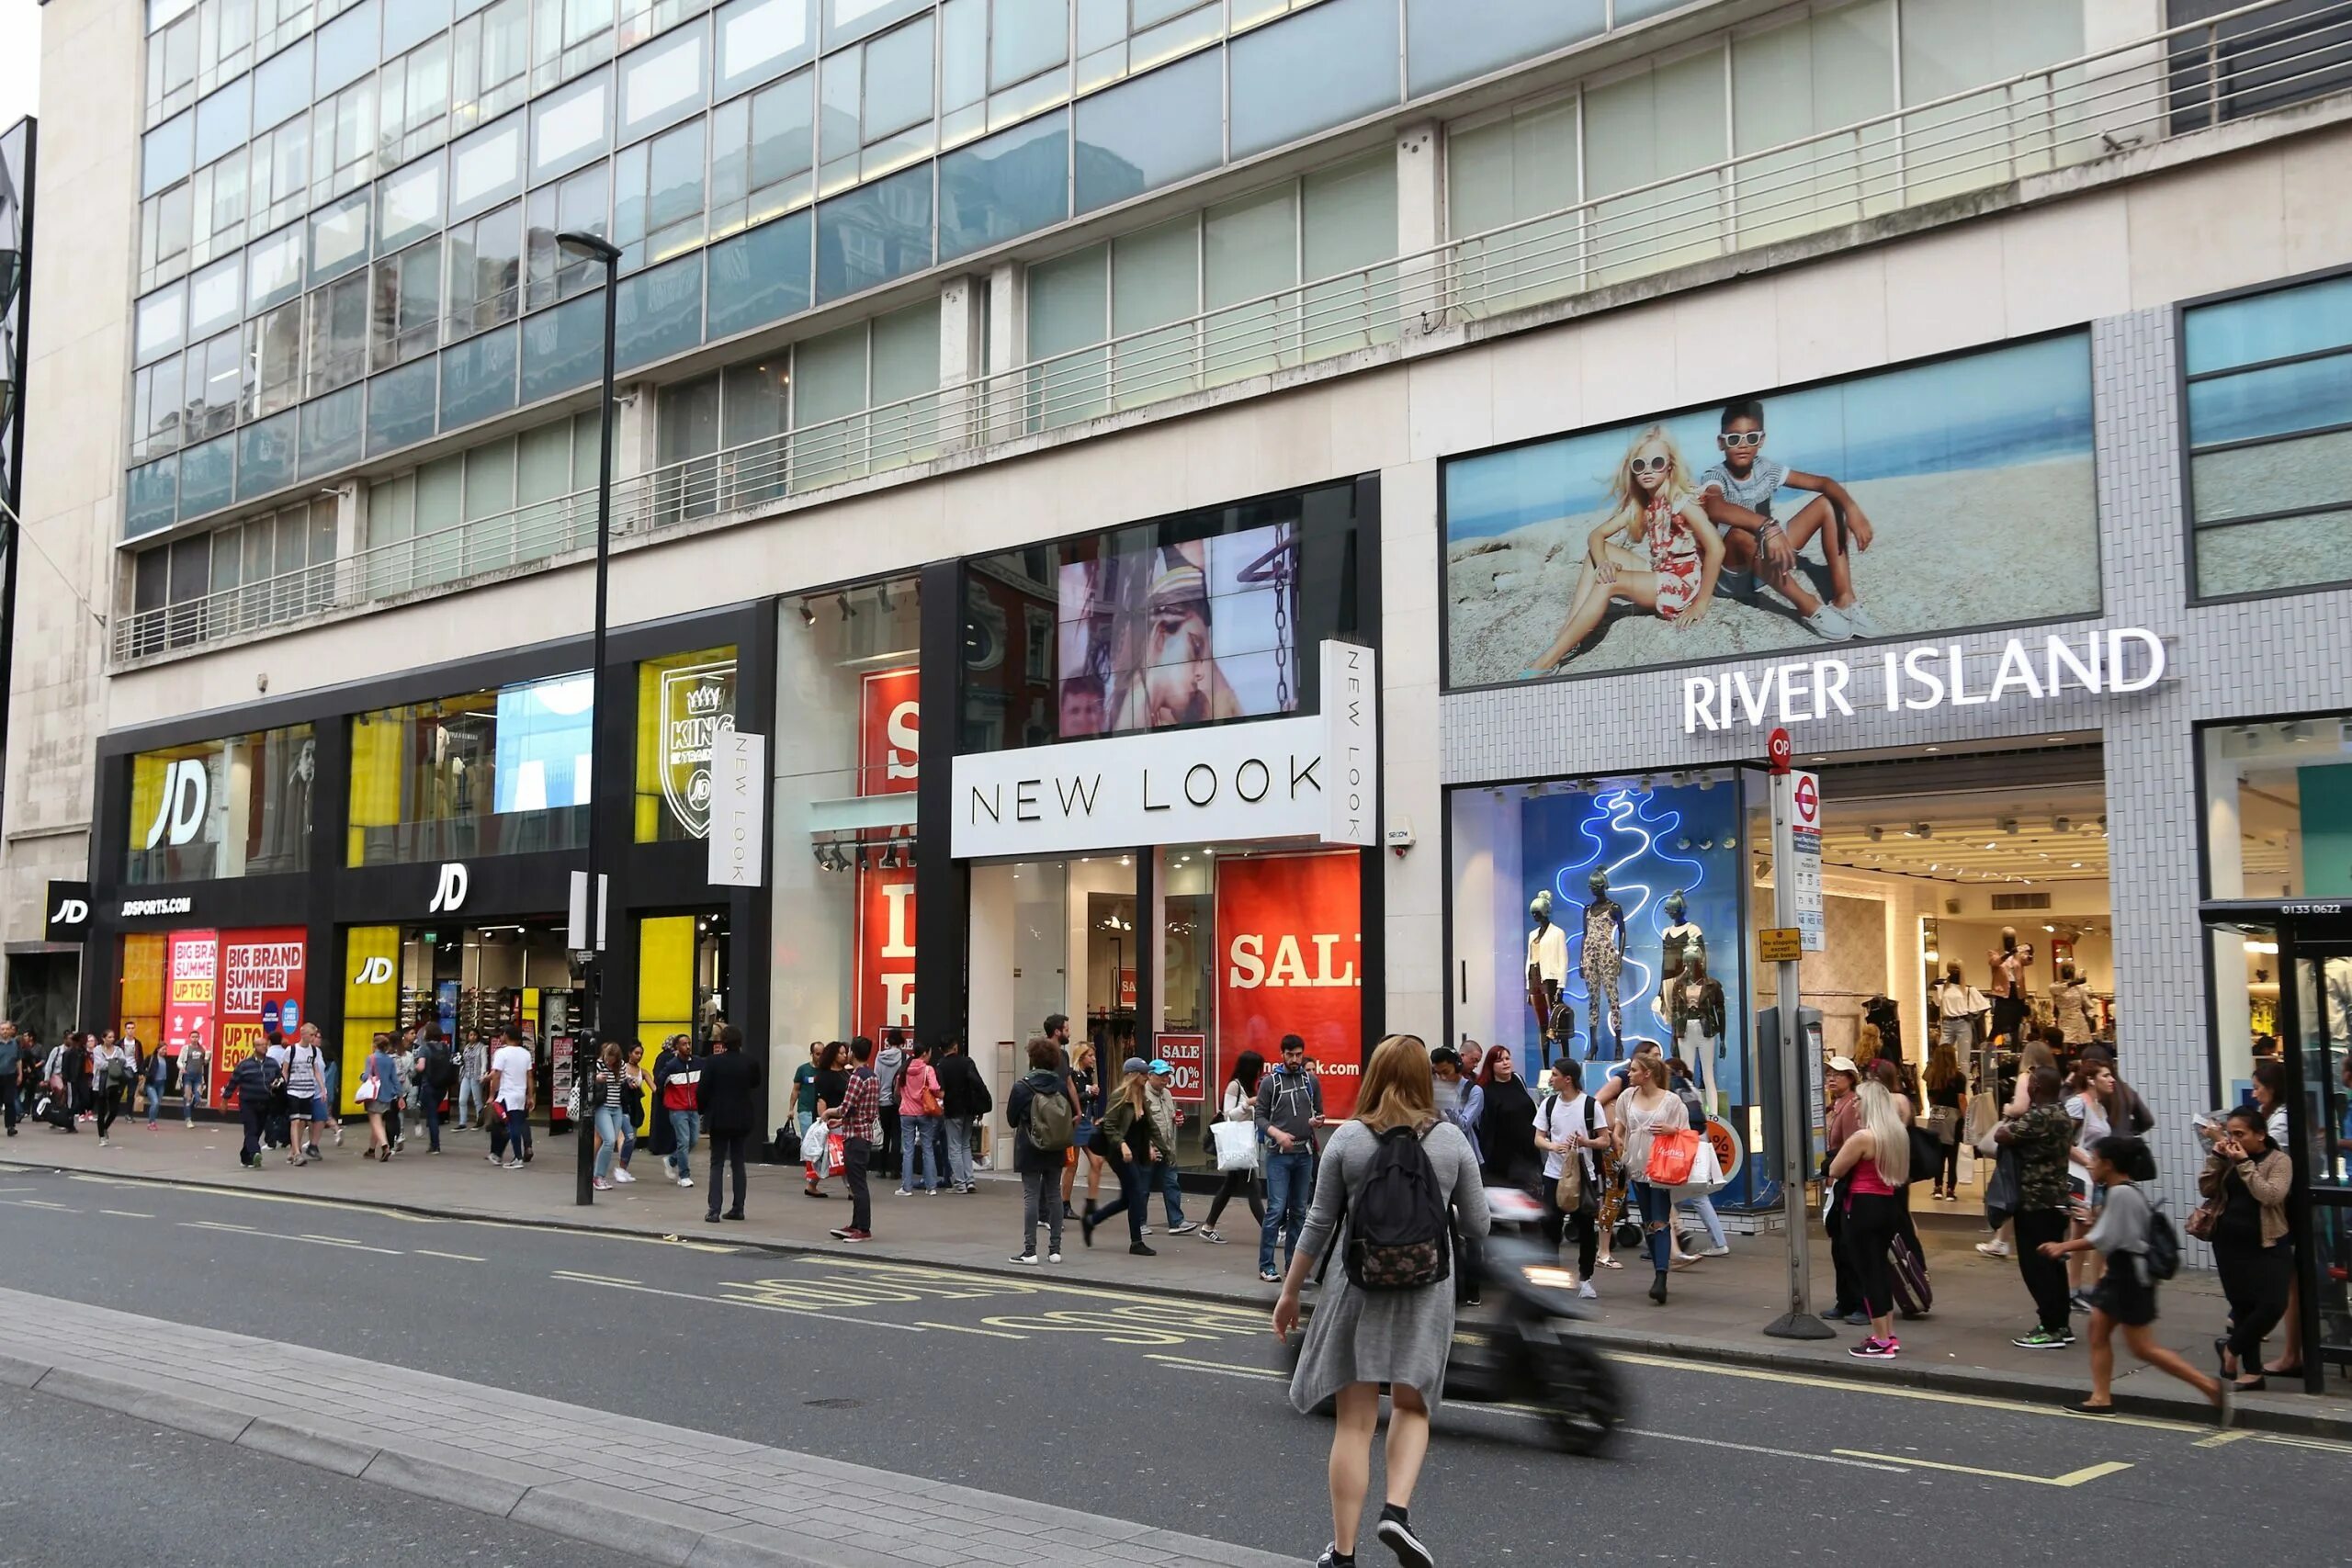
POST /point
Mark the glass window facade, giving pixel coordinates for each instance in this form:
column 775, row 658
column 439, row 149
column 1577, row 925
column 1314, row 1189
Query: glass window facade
column 1202, row 618
column 848, row 693
column 489, row 773
column 239, row 806
column 2270, row 438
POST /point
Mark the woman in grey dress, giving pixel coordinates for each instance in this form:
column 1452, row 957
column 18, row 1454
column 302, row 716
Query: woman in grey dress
column 1358, row 1340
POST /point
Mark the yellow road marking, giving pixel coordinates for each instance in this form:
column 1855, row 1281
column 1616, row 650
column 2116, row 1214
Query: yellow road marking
column 2089, row 1473
column 959, row 1328
column 1889, row 1391
column 458, row 1257
column 722, row 1300
column 2222, row 1440
column 1044, row 1284
column 2288, row 1440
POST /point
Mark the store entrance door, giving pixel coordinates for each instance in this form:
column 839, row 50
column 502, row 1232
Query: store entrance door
column 2312, row 942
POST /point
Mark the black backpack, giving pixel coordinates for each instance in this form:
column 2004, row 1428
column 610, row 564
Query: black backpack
column 440, row 1065
column 2164, row 1242
column 1400, row 1238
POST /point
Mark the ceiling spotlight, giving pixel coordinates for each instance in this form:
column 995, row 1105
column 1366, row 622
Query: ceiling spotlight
column 1874, row 832
column 906, row 854
column 2008, row 824
column 1923, row 830
column 1710, row 843
column 1683, row 842
column 882, row 598
column 1681, row 777
column 1648, row 780
column 1990, row 845
column 2060, row 824
column 807, row 616
column 1706, row 781
column 2102, row 822
column 1935, row 748
column 2078, row 865
column 848, row 610
column 890, row 856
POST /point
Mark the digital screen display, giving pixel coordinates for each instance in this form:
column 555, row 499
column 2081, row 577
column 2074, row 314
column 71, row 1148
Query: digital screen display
column 1154, row 634
column 542, row 749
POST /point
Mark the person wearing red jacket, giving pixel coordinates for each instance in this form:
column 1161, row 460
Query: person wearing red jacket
column 675, row 1080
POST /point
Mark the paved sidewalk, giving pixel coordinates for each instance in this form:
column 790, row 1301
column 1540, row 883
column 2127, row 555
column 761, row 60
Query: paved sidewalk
column 1717, row 1311
column 654, row 1493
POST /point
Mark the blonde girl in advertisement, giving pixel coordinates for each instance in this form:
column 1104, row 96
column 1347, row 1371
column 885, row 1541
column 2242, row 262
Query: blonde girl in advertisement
column 1656, row 549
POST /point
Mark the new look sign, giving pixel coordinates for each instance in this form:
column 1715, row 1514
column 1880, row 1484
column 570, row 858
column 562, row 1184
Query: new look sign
column 1292, row 778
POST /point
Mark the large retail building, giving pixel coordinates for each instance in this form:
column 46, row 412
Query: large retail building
column 1211, row 507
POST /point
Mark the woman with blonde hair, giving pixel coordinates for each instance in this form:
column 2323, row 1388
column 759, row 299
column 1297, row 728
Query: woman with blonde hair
column 1656, row 549
column 1362, row 1339
column 1130, row 1139
column 1647, row 1108
column 1877, row 1158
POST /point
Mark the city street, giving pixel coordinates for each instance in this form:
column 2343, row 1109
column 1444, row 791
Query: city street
column 1156, row 1409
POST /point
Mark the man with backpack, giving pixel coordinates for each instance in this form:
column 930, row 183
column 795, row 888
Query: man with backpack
column 1044, row 1118
column 963, row 1099
column 1290, row 1107
column 254, row 1084
column 1569, row 1128
column 436, row 1080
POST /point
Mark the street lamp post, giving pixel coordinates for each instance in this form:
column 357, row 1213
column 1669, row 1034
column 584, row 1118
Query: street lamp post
column 596, row 247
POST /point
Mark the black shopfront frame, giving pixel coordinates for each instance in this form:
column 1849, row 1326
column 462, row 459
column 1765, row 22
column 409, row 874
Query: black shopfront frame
column 943, row 885
column 330, row 897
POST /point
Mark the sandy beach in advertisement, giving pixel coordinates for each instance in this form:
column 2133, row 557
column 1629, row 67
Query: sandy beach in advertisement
column 1968, row 547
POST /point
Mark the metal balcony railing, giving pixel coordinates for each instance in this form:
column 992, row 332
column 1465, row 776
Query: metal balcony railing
column 2252, row 60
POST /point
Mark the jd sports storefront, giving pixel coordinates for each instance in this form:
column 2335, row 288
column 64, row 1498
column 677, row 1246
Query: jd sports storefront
column 400, row 851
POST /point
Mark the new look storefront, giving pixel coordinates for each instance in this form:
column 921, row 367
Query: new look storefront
column 1160, row 816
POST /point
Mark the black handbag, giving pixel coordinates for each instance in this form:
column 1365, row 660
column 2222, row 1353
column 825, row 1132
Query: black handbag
column 1926, row 1156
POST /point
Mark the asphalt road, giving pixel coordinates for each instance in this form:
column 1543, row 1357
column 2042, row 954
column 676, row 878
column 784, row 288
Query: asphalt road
column 98, row 1489
column 1153, row 1408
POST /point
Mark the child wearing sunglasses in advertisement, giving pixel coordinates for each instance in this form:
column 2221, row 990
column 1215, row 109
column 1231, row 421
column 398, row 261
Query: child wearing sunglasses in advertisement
column 1737, row 494
column 1656, row 511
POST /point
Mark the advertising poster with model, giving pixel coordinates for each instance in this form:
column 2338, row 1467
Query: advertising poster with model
column 1928, row 498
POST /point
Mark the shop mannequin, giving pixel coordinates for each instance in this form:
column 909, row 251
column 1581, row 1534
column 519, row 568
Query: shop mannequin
column 2009, row 964
column 1672, row 943
column 1602, row 961
column 1547, row 972
column 1695, row 1017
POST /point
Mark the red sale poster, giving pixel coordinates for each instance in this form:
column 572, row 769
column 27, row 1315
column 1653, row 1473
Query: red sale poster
column 1290, row 963
column 889, row 740
column 886, row 951
column 1184, row 1056
column 192, row 987
column 889, row 731
column 261, row 988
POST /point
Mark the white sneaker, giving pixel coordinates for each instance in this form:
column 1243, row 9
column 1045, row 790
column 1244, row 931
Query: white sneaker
column 1716, row 1252
column 623, row 1176
column 1829, row 622
column 1053, row 1257
column 1028, row 1258
column 1585, row 1293
column 1861, row 620
column 512, row 1165
column 1187, row 1228
column 1145, row 1231
column 1994, row 1249
column 685, row 1181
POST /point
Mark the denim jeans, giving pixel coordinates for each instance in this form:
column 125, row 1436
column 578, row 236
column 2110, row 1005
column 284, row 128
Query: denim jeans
column 1169, row 1194
column 1657, row 1209
column 152, row 1096
column 1704, row 1207
column 469, row 1106
column 959, row 1149
column 1290, row 1182
column 426, row 1102
column 921, row 1134
column 684, row 1126
column 612, row 1122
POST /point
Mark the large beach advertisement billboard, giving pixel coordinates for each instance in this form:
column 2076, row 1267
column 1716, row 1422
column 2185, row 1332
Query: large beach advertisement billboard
column 1928, row 498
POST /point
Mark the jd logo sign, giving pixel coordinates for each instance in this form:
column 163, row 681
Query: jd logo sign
column 188, row 790
column 69, row 911
column 376, row 971
column 450, row 893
